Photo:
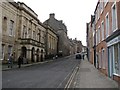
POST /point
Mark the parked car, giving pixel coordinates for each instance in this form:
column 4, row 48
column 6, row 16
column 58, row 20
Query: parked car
column 78, row 56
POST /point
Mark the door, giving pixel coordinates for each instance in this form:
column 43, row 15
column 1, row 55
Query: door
column 110, row 61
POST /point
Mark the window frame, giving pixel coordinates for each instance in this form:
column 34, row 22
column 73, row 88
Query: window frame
column 11, row 27
column 116, row 27
column 107, row 29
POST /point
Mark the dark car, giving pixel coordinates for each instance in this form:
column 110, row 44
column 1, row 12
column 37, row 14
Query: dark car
column 78, row 56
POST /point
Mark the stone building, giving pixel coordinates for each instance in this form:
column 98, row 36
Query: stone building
column 9, row 22
column 51, row 42
column 61, row 29
column 75, row 46
column 31, row 35
column 78, row 46
column 23, row 33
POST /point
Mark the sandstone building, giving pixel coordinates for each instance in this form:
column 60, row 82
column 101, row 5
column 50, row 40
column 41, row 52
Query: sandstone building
column 23, row 33
column 61, row 30
column 51, row 42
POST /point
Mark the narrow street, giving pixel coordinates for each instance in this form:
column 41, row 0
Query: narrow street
column 48, row 75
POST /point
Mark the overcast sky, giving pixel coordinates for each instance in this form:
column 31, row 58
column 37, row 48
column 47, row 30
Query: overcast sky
column 74, row 13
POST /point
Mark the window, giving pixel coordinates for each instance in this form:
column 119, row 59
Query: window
column 99, row 34
column 11, row 27
column 114, row 18
column 116, row 57
column 98, row 11
column 96, row 16
column 24, row 32
column 42, row 36
column 49, row 42
column 29, row 33
column 34, row 35
column 105, row 2
column 3, row 46
column 107, row 26
column 96, row 37
column 102, row 30
column 39, row 35
column 5, row 24
column 101, row 6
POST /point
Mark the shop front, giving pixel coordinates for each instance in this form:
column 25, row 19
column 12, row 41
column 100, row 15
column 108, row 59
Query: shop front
column 114, row 58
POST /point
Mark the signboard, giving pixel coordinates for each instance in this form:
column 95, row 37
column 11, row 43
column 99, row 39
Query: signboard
column 114, row 41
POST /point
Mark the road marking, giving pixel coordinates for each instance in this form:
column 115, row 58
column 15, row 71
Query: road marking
column 71, row 78
column 66, row 76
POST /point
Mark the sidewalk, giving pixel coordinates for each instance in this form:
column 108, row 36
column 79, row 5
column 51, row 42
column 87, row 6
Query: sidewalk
column 5, row 67
column 89, row 77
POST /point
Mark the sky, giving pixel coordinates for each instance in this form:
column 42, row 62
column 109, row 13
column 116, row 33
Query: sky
column 74, row 13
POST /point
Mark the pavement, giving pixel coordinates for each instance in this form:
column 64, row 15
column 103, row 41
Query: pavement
column 90, row 77
column 14, row 66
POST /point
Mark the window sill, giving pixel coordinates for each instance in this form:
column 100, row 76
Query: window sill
column 116, row 74
column 115, row 29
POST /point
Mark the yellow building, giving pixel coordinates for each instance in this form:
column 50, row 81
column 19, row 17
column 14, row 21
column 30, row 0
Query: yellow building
column 23, row 33
column 9, row 22
column 51, row 45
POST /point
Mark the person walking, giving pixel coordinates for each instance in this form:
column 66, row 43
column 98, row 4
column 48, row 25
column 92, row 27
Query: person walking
column 20, row 59
column 83, row 56
column 10, row 61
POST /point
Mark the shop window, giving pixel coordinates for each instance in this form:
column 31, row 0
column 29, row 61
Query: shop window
column 116, row 63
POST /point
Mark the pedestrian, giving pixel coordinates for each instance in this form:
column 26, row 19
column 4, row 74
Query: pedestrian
column 83, row 56
column 56, row 56
column 20, row 59
column 79, row 56
column 10, row 61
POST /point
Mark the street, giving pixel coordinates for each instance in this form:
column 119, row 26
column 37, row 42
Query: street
column 54, row 74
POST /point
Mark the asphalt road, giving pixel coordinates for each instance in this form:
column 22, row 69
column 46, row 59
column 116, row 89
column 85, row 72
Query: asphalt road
column 48, row 75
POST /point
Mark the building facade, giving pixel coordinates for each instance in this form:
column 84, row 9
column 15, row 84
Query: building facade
column 61, row 29
column 51, row 43
column 9, row 22
column 107, row 38
column 23, row 34
column 31, row 36
column 113, row 41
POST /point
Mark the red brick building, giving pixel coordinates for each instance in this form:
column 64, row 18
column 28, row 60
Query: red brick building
column 107, row 37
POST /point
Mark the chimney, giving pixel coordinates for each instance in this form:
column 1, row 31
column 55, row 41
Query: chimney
column 52, row 15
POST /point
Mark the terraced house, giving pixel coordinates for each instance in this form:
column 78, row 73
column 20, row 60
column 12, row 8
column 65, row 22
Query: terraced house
column 107, row 37
column 23, row 33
